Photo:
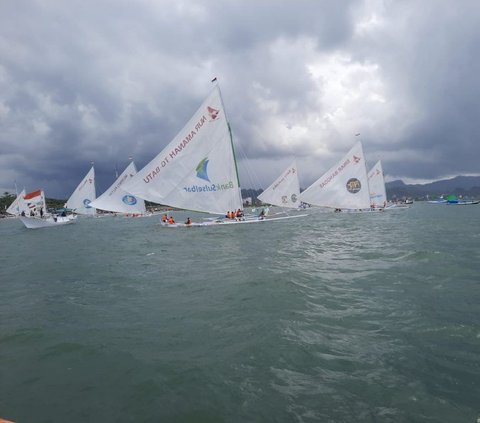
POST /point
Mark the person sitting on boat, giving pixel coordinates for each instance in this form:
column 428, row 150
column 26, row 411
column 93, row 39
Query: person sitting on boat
column 23, row 212
column 171, row 221
column 41, row 211
column 32, row 214
column 164, row 218
column 262, row 214
column 239, row 213
column 64, row 213
column 188, row 221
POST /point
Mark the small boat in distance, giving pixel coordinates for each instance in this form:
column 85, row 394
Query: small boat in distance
column 285, row 190
column 116, row 199
column 83, row 195
column 18, row 206
column 376, row 185
column 36, row 217
column 454, row 200
column 344, row 187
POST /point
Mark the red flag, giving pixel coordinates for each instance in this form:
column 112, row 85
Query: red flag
column 33, row 194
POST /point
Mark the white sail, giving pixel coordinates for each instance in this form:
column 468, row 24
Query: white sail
column 197, row 169
column 376, row 183
column 285, row 190
column 34, row 202
column 116, row 199
column 18, row 205
column 83, row 195
column 344, row 186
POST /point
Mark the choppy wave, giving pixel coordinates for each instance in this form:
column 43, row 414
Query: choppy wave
column 333, row 318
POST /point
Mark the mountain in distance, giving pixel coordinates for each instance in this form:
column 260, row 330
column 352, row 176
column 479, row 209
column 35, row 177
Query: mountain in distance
column 465, row 186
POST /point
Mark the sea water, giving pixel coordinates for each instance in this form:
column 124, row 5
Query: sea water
column 333, row 317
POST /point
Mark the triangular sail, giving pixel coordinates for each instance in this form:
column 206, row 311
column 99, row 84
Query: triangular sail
column 344, row 186
column 197, row 169
column 83, row 195
column 116, row 199
column 376, row 183
column 18, row 206
column 285, row 190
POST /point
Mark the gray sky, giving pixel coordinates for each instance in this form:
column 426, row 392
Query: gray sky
column 103, row 80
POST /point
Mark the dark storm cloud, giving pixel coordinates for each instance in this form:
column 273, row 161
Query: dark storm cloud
column 103, row 81
column 428, row 53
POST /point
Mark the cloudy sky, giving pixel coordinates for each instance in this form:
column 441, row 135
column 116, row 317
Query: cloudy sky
column 105, row 80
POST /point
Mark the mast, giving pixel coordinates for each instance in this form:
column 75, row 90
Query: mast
column 231, row 138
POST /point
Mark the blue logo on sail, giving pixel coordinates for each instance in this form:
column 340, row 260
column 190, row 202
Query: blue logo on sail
column 86, row 203
column 202, row 169
column 129, row 200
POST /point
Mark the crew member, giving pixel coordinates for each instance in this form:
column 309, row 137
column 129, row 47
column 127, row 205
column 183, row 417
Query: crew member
column 171, row 221
column 188, row 221
column 164, row 218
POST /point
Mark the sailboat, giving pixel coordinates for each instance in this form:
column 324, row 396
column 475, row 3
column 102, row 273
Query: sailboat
column 376, row 184
column 344, row 186
column 285, row 190
column 35, row 214
column 116, row 199
column 197, row 169
column 83, row 195
column 18, row 206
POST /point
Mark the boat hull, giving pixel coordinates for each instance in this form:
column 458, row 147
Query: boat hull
column 229, row 222
column 46, row 222
column 462, row 203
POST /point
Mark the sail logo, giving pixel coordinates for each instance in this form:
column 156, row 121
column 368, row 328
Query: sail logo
column 202, row 169
column 294, row 198
column 129, row 200
column 213, row 113
column 86, row 203
column 356, row 159
column 353, row 185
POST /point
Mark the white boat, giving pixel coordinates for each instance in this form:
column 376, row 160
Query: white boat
column 36, row 222
column 376, row 185
column 18, row 206
column 285, row 190
column 116, row 199
column 344, row 187
column 83, row 195
column 35, row 215
column 197, row 169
